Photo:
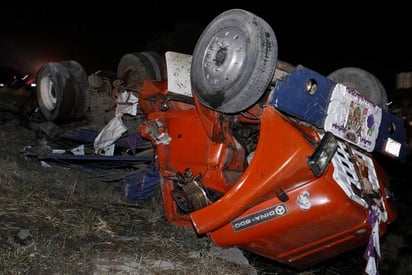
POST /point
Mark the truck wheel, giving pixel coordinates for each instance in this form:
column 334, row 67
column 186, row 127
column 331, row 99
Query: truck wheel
column 141, row 66
column 364, row 82
column 82, row 95
column 233, row 61
column 62, row 92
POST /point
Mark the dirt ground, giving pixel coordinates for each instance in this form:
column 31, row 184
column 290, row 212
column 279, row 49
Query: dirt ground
column 59, row 220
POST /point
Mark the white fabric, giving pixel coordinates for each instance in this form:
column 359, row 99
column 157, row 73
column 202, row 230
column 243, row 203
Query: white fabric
column 127, row 103
column 79, row 150
column 371, row 266
column 110, row 133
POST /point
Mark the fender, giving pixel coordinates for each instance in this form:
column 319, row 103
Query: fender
column 274, row 169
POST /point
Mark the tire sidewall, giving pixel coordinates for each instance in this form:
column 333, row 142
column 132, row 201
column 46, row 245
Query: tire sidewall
column 57, row 74
column 144, row 65
column 364, row 82
column 70, row 86
column 77, row 90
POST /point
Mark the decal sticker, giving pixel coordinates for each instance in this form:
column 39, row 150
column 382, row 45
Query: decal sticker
column 260, row 217
column 303, row 200
column 352, row 117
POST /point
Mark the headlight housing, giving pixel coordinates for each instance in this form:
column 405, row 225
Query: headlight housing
column 319, row 160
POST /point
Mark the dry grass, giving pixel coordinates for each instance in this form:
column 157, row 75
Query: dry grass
column 78, row 225
column 74, row 224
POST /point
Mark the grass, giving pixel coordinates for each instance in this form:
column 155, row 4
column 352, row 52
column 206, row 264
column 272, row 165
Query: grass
column 77, row 224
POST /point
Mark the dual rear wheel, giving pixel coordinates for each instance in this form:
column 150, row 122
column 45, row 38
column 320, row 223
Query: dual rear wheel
column 62, row 91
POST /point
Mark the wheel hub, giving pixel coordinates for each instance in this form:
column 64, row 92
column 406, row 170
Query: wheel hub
column 221, row 56
column 224, row 57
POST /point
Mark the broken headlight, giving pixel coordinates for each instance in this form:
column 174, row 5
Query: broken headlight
column 324, row 152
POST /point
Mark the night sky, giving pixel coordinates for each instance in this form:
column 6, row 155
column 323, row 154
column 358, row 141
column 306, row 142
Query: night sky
column 322, row 38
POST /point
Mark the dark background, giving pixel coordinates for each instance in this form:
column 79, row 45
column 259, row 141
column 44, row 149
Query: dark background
column 319, row 36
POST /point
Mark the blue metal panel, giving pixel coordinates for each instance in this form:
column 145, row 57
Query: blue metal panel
column 291, row 95
column 392, row 127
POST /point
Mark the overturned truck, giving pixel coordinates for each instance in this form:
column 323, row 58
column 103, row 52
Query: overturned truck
column 260, row 154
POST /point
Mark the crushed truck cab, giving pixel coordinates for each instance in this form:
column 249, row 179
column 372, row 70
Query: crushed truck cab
column 252, row 151
column 276, row 159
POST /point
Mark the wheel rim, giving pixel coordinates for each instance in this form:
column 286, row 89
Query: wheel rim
column 233, row 62
column 224, row 57
column 47, row 94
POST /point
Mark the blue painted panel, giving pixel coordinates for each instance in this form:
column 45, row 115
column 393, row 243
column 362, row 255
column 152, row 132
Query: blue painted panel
column 291, row 96
column 392, row 127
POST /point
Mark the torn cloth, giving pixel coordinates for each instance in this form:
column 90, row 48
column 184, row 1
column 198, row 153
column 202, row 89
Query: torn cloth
column 110, row 133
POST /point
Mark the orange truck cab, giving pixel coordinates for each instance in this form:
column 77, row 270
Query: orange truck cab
column 272, row 158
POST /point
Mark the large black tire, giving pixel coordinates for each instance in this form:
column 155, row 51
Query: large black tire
column 141, row 66
column 233, row 61
column 62, row 91
column 51, row 81
column 364, row 82
column 81, row 86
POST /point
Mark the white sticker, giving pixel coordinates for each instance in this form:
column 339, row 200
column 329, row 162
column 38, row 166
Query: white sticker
column 303, row 201
column 353, row 118
column 178, row 73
